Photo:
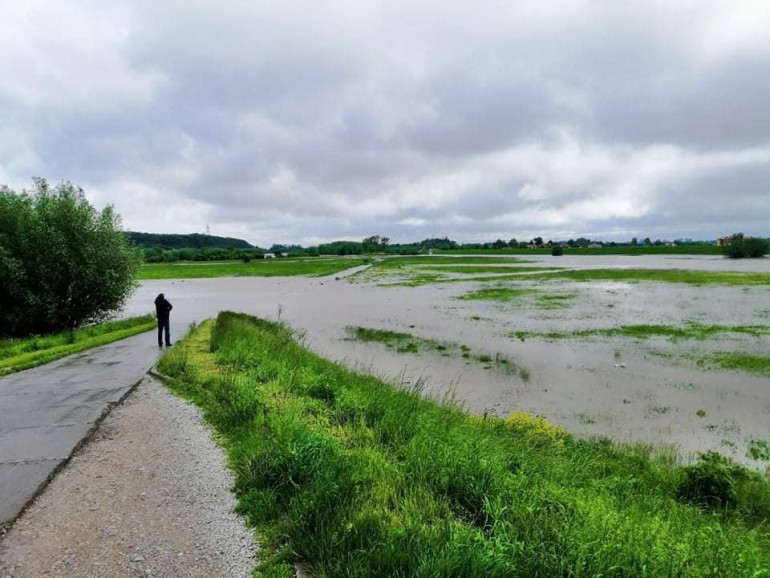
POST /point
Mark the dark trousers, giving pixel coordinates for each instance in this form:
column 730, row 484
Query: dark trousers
column 163, row 327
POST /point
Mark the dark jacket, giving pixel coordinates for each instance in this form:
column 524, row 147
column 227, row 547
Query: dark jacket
column 162, row 307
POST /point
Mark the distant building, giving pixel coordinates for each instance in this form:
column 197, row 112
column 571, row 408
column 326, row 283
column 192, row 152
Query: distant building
column 269, row 255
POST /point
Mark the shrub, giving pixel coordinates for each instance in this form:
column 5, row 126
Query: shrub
column 741, row 247
column 557, row 251
column 710, row 483
column 62, row 263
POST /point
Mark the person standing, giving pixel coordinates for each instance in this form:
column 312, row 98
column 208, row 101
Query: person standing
column 162, row 311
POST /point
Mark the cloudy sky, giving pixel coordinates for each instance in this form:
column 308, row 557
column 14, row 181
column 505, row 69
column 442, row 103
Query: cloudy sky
column 300, row 122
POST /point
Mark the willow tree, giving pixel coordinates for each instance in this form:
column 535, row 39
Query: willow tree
column 63, row 264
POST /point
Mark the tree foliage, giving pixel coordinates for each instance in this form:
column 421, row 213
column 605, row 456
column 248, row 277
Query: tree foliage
column 62, row 263
column 741, row 247
column 191, row 241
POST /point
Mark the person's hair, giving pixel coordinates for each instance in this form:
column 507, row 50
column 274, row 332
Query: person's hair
column 159, row 297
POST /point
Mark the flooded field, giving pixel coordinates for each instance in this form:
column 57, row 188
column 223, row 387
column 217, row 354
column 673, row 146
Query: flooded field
column 641, row 361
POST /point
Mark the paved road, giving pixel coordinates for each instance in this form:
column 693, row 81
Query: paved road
column 46, row 412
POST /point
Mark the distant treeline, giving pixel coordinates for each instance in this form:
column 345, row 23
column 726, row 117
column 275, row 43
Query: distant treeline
column 191, row 241
column 378, row 244
column 197, row 247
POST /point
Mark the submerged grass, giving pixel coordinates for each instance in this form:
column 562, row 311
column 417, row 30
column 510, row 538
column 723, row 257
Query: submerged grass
column 692, row 330
column 19, row 354
column 758, row 364
column 661, row 275
column 358, row 479
column 400, row 262
column 408, row 343
column 533, row 297
column 315, row 267
column 476, row 269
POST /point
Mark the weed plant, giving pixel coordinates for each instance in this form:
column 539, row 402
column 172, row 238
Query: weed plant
column 24, row 353
column 356, row 478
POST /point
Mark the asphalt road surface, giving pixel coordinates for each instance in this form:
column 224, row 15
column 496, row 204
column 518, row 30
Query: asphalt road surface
column 46, row 412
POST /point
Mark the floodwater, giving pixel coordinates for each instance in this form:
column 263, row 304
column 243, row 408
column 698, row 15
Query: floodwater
column 630, row 390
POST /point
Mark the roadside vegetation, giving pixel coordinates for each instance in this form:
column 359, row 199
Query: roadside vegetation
column 355, row 478
column 24, row 353
column 407, row 343
column 314, row 267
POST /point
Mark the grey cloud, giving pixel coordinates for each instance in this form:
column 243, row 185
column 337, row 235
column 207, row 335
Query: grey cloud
column 329, row 120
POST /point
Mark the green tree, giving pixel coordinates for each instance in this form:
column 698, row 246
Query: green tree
column 741, row 247
column 62, row 263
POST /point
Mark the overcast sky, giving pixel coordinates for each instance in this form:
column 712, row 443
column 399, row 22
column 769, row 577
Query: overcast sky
column 299, row 122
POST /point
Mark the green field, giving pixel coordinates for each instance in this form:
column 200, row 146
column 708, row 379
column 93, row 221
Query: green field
column 313, row 267
column 355, row 478
column 18, row 354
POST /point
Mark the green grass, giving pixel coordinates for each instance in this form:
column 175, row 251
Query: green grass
column 554, row 301
column 407, row 343
column 496, row 294
column 477, row 269
column 673, row 332
column 18, row 354
column 401, row 342
column 357, row 479
column 759, row 450
column 315, row 267
column 759, row 364
column 660, row 275
column 398, row 262
column 532, row 297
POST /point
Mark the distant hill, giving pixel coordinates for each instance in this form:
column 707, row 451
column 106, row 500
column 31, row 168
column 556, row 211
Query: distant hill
column 191, row 241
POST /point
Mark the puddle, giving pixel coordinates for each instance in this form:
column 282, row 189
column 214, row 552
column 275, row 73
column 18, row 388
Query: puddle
column 597, row 386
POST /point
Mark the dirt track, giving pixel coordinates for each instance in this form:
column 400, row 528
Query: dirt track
column 148, row 495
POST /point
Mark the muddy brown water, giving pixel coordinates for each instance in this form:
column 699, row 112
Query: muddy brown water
column 630, row 390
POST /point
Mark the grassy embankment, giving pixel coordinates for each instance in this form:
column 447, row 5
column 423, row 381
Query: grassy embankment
column 18, row 354
column 356, row 478
column 315, row 267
